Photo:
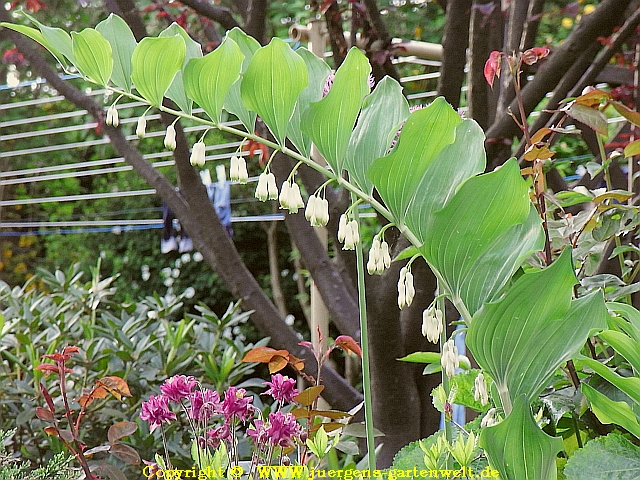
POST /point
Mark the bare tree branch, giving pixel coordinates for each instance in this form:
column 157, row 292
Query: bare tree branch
column 216, row 13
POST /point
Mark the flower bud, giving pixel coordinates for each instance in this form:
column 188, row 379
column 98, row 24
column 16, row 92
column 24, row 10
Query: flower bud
column 112, row 116
column 480, row 390
column 262, row 191
column 141, row 128
column 198, row 154
column 272, row 188
column 170, row 138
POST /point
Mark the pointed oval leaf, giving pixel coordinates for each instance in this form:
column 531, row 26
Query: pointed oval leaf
column 120, row 430
column 233, row 103
column 626, row 112
column 36, row 35
column 378, row 124
column 56, row 37
column 125, row 453
column 632, row 149
column 611, row 412
column 177, row 91
column 155, row 62
column 308, row 396
column 318, row 72
column 93, row 55
column 591, row 117
column 277, row 363
column 44, row 414
column 116, row 31
column 623, row 345
column 271, row 84
column 330, row 121
column 503, row 334
column 425, row 133
column 208, row 79
column 518, row 449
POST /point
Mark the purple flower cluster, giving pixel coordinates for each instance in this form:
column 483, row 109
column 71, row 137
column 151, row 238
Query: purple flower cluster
column 156, row 410
column 280, row 430
column 282, row 389
column 178, row 388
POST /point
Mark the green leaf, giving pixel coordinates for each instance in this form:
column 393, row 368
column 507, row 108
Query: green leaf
column 611, row 412
column 36, row 35
column 605, row 458
column 330, row 121
column 93, row 55
column 425, row 133
column 629, row 385
column 271, row 84
column 378, row 124
column 177, row 91
column 57, row 38
column 408, row 252
column 208, row 79
column 623, row 345
column 422, row 357
column 591, row 117
column 318, row 72
column 155, row 62
column 631, row 324
column 632, row 149
column 478, row 240
column 517, row 447
column 233, row 103
column 123, row 43
column 536, row 315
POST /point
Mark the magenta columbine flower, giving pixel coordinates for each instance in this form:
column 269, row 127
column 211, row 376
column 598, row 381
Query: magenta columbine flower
column 281, row 388
column 218, row 434
column 156, row 410
column 204, row 404
column 178, row 387
column 258, row 431
column 236, row 404
column 282, row 429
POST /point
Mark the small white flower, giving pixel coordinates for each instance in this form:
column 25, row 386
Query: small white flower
column 262, row 191
column 310, row 211
column 402, row 288
column 198, row 154
column 238, row 170
column 141, row 128
column 112, row 116
column 480, row 390
column 352, row 236
column 284, row 195
column 170, row 138
column 342, row 227
column 272, row 188
column 374, row 254
column 322, row 213
column 449, row 358
column 489, row 419
column 386, row 258
column 432, row 324
column 296, row 198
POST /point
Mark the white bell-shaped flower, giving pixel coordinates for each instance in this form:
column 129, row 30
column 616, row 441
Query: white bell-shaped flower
column 170, row 138
column 198, row 154
column 141, row 128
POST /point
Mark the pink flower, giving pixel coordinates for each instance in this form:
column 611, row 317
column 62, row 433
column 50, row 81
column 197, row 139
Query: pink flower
column 282, row 429
column 178, row 387
column 282, row 388
column 236, row 404
column 258, row 431
column 220, row 433
column 156, row 410
column 204, row 404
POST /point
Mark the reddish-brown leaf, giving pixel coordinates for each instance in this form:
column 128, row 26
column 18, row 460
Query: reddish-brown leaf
column 300, row 413
column 94, row 450
column 308, row 396
column 53, row 431
column 44, row 414
column 328, row 427
column 263, row 354
column 332, row 414
column 125, row 453
column 66, row 435
column 593, row 98
column 119, row 430
column 534, row 54
column 348, row 344
column 538, row 153
column 106, row 470
column 116, row 386
column 296, row 362
column 47, row 397
column 492, row 67
column 48, row 367
column 277, row 363
column 540, row 134
column 631, row 115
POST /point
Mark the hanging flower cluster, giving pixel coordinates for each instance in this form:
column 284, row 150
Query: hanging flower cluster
column 406, row 291
column 317, row 211
column 238, row 170
column 290, row 198
column 267, row 188
column 449, row 358
column 432, row 324
column 348, row 232
column 379, row 257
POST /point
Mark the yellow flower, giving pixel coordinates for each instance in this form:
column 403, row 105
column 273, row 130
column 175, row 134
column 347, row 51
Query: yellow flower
column 588, row 9
column 567, row 22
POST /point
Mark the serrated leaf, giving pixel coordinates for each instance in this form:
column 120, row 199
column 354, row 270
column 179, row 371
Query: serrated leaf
column 611, row 412
column 125, row 453
column 632, row 149
column 177, row 91
column 330, row 121
column 378, row 124
column 93, row 56
column 271, row 84
column 611, row 457
column 318, row 72
column 233, row 103
column 517, row 447
column 591, row 117
column 155, row 63
column 120, row 430
column 503, row 334
column 116, row 31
